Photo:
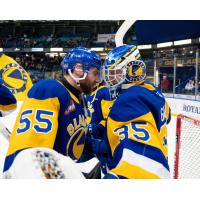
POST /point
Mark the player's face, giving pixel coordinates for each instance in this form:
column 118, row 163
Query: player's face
column 114, row 76
column 78, row 68
column 91, row 80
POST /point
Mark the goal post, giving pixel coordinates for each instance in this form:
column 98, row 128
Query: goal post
column 187, row 155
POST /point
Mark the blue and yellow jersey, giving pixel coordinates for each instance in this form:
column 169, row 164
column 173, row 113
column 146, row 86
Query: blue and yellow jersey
column 137, row 133
column 51, row 116
column 8, row 103
column 98, row 106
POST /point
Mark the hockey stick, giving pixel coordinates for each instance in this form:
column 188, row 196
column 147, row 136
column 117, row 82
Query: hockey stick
column 119, row 36
column 6, row 133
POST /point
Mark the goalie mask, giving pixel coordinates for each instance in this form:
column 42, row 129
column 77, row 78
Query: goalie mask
column 123, row 65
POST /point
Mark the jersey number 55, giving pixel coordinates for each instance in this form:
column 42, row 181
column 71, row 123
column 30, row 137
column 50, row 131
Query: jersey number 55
column 38, row 120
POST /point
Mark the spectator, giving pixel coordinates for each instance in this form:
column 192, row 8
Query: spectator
column 189, row 87
column 165, row 84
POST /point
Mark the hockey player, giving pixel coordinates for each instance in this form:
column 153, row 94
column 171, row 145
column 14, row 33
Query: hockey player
column 136, row 125
column 52, row 116
column 8, row 102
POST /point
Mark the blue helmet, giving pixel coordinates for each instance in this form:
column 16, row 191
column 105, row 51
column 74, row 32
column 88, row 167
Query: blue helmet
column 83, row 56
column 124, row 65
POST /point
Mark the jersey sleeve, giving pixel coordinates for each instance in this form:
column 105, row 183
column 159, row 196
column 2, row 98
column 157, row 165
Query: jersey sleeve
column 8, row 102
column 37, row 122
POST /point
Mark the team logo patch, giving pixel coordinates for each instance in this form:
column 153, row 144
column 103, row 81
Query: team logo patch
column 136, row 70
column 14, row 78
column 70, row 108
column 76, row 144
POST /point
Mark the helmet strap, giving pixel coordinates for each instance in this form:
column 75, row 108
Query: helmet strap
column 76, row 79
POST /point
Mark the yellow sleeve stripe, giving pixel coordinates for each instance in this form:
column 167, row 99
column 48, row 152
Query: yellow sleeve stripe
column 133, row 172
column 139, row 164
column 103, row 122
column 8, row 107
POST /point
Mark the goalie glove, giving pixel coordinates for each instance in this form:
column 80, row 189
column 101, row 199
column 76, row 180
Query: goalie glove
column 43, row 163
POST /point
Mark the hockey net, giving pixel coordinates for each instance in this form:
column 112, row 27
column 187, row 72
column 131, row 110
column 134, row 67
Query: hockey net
column 187, row 156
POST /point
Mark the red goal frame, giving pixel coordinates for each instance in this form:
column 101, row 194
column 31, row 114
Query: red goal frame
column 178, row 136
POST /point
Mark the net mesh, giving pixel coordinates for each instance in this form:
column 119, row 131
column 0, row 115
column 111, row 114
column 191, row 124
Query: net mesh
column 187, row 160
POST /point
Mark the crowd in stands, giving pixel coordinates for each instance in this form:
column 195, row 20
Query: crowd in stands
column 65, row 40
column 45, row 41
column 40, row 66
column 40, row 62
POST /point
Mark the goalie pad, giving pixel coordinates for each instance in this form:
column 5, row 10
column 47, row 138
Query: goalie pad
column 43, row 163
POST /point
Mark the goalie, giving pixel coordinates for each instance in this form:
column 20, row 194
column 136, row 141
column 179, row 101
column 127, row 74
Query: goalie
column 136, row 125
